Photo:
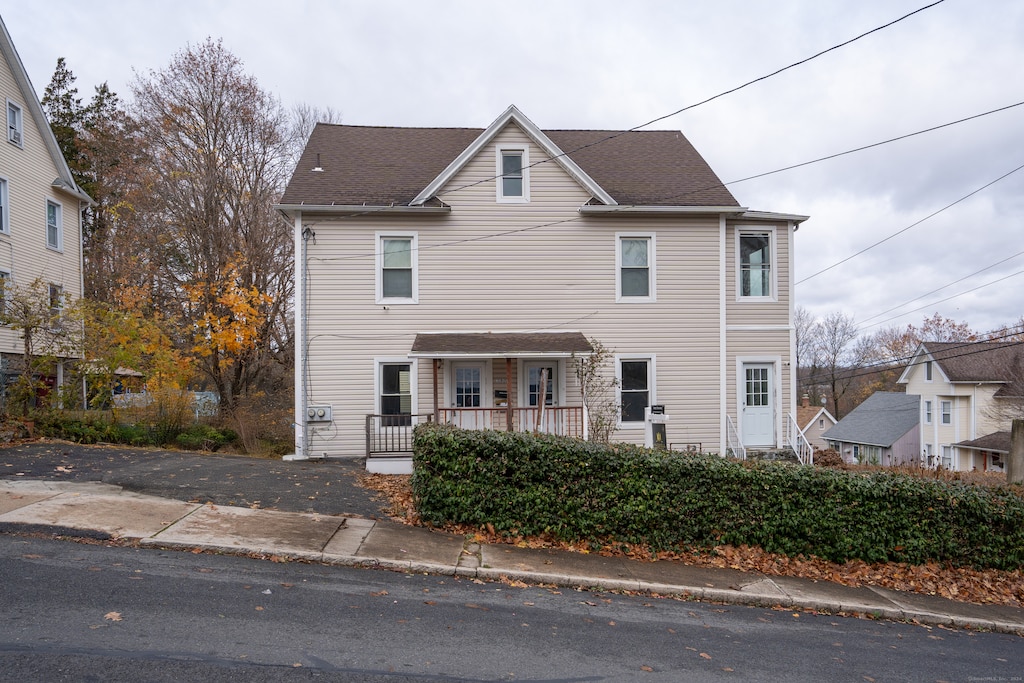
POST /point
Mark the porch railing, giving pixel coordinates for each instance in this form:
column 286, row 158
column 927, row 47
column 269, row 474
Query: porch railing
column 798, row 442
column 735, row 445
column 560, row 420
column 391, row 435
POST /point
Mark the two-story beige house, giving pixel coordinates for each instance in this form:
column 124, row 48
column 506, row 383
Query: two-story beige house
column 969, row 393
column 454, row 274
column 40, row 205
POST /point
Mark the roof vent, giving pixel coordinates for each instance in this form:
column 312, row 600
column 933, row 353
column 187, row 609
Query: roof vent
column 318, row 168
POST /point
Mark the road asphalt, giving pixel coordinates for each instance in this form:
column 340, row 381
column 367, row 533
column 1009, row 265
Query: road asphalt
column 313, row 511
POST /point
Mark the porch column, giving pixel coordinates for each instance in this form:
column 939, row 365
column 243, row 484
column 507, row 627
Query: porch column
column 437, row 411
column 508, row 394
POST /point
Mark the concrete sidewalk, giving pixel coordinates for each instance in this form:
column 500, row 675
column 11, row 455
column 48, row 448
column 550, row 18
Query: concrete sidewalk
column 97, row 508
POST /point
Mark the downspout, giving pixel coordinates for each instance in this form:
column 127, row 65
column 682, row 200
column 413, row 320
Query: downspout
column 300, row 424
column 723, row 403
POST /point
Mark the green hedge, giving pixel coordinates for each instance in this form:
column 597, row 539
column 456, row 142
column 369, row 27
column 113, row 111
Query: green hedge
column 530, row 485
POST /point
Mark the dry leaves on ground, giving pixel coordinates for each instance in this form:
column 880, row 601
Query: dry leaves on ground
column 988, row 586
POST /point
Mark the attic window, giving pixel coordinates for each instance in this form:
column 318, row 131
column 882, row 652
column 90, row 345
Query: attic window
column 513, row 175
column 15, row 128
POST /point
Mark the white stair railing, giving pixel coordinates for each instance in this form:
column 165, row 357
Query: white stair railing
column 796, row 440
column 735, row 445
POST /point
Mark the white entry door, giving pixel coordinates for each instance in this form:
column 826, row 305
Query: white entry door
column 467, row 392
column 758, row 405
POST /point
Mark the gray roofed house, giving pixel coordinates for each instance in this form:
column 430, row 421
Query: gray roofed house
column 457, row 274
column 882, row 430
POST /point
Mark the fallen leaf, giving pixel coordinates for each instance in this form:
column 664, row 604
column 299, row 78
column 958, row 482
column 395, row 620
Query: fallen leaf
column 112, row 616
column 705, row 655
column 258, row 608
column 378, row 594
column 646, row 668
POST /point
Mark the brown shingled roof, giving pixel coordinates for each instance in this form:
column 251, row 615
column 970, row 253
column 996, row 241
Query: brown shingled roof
column 982, row 362
column 380, row 166
column 500, row 343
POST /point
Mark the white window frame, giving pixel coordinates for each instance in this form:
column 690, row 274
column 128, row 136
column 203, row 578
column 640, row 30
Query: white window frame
column 652, row 269
column 927, row 412
column 6, row 281
column 55, row 292
column 15, row 123
column 500, row 196
column 652, row 389
column 928, row 371
column 948, row 456
column 5, row 207
column 773, row 270
column 58, row 245
column 379, row 267
column 946, row 412
column 378, row 367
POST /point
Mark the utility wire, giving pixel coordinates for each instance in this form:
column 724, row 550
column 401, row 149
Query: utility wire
column 912, row 225
column 939, row 289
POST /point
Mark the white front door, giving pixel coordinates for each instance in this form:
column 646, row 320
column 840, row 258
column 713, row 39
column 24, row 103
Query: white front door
column 757, row 398
column 537, row 395
column 468, row 392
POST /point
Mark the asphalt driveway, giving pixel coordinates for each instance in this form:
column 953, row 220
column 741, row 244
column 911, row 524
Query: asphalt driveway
column 326, row 487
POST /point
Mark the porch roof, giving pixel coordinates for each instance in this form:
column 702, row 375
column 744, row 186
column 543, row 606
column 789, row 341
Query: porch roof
column 997, row 442
column 499, row 344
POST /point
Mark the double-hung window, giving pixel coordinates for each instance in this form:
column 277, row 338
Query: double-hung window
column 397, row 269
column 5, row 284
column 395, row 383
column 15, row 125
column 5, row 211
column 927, row 412
column 636, row 388
column 513, row 175
column 56, row 295
column 946, row 408
column 634, row 263
column 54, row 228
column 756, row 274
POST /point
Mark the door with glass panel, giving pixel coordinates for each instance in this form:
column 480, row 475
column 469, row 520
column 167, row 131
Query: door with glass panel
column 757, row 398
column 541, row 394
column 468, row 395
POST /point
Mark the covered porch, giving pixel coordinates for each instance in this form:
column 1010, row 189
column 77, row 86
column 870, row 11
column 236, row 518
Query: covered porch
column 506, row 381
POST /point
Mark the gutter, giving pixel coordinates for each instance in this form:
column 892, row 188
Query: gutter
column 356, row 209
column 598, row 209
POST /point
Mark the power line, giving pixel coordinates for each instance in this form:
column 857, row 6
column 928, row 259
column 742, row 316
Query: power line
column 913, row 224
column 939, row 289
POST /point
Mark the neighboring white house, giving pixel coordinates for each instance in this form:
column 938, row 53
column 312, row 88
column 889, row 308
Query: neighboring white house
column 969, row 391
column 40, row 204
column 452, row 274
column 880, row 431
column 813, row 422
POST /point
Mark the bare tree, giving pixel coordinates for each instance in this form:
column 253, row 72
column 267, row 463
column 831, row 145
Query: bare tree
column 218, row 148
column 304, row 118
column 836, row 356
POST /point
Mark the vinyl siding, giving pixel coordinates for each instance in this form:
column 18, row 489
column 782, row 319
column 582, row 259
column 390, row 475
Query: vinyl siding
column 30, row 172
column 541, row 265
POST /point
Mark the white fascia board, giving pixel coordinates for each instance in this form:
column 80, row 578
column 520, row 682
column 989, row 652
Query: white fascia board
column 494, row 354
column 539, row 138
column 911, row 365
column 356, row 209
column 771, row 216
column 596, row 209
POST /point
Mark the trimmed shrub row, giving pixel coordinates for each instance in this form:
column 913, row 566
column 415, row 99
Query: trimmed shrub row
column 94, row 430
column 573, row 490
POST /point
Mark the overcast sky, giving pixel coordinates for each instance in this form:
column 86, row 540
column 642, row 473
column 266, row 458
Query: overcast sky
column 616, row 65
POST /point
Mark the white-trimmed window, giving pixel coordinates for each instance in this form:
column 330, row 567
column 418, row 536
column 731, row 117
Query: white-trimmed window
column 396, row 391
column 56, row 296
column 15, row 124
column 636, row 388
column 54, row 225
column 636, row 276
column 756, row 258
column 946, row 410
column 397, row 269
column 947, row 458
column 927, row 412
column 5, row 283
column 927, row 371
column 5, row 209
column 513, row 174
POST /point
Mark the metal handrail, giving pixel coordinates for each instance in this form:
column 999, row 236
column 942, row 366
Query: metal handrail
column 796, row 440
column 733, row 440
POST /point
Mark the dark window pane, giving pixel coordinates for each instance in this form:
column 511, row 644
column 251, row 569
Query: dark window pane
column 633, row 404
column 512, row 187
column 634, row 375
column 635, row 282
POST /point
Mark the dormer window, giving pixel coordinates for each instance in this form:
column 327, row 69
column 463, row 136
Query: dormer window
column 513, row 175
